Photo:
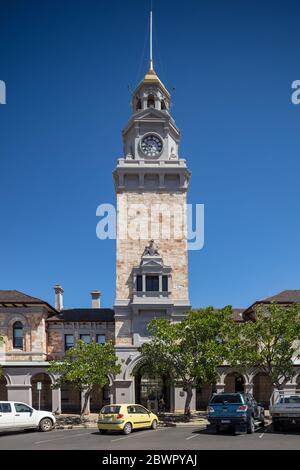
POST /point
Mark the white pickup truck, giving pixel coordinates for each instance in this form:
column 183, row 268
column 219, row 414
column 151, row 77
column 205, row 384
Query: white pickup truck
column 284, row 408
column 16, row 416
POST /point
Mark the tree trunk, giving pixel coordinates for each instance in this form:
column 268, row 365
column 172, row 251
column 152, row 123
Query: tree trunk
column 87, row 395
column 188, row 399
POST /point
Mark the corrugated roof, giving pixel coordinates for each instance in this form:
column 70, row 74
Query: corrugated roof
column 284, row 296
column 84, row 315
column 17, row 297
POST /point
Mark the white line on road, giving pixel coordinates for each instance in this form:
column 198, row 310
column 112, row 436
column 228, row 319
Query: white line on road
column 120, row 439
column 191, row 437
column 139, row 434
column 265, row 430
column 59, row 438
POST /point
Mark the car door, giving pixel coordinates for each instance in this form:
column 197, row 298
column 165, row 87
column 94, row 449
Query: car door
column 143, row 416
column 132, row 416
column 7, row 418
column 24, row 416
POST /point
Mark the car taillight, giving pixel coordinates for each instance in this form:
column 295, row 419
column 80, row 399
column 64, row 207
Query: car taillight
column 210, row 409
column 242, row 408
column 120, row 415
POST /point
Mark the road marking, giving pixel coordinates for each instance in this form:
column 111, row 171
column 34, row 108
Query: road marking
column 59, row 438
column 143, row 433
column 265, row 430
column 191, row 437
column 120, row 439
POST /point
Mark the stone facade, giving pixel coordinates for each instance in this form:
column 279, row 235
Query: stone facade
column 172, row 249
column 151, row 183
column 34, row 333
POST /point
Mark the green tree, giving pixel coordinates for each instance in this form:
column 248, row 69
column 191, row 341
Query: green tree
column 268, row 343
column 190, row 350
column 86, row 365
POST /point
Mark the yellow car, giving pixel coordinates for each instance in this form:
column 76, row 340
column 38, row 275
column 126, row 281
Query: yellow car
column 125, row 417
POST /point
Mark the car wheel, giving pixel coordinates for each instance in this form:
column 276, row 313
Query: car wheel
column 46, row 424
column 251, row 426
column 102, row 431
column 218, row 429
column 127, row 428
column 154, row 424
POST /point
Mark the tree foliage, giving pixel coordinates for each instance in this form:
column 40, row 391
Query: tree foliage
column 268, row 343
column 188, row 351
column 86, row 365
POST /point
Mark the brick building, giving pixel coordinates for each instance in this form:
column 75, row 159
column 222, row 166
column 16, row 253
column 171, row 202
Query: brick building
column 151, row 183
column 35, row 332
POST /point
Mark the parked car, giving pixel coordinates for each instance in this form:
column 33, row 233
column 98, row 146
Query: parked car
column 16, row 415
column 237, row 410
column 125, row 418
column 284, row 408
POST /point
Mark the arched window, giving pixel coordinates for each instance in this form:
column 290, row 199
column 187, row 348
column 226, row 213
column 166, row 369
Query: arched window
column 138, row 104
column 163, row 105
column 151, row 102
column 18, row 335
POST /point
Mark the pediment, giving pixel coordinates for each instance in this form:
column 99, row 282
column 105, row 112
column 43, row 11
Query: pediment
column 151, row 113
column 152, row 263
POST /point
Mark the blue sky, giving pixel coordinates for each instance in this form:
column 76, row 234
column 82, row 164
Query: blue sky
column 67, row 65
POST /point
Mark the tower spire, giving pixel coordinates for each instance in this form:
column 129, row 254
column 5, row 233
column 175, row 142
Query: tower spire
column 151, row 46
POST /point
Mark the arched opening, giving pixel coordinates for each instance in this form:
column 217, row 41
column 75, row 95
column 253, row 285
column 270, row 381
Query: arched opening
column 3, row 389
column 152, row 391
column 163, row 105
column 262, row 388
column 99, row 397
column 41, row 392
column 204, row 391
column 17, row 335
column 138, row 104
column 70, row 398
column 234, row 383
column 151, row 101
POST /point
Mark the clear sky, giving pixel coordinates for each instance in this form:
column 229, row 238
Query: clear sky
column 67, row 65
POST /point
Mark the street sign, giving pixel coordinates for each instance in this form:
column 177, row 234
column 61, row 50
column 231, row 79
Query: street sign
column 39, row 385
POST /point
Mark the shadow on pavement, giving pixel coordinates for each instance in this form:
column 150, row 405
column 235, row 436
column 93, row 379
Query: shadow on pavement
column 18, row 432
column 226, row 432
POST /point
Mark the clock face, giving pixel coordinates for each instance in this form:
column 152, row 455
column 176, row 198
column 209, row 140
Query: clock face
column 151, row 146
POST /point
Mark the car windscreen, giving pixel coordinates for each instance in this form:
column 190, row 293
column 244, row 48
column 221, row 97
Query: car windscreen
column 294, row 399
column 110, row 409
column 227, row 398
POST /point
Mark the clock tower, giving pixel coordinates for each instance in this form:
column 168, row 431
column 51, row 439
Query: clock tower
column 151, row 183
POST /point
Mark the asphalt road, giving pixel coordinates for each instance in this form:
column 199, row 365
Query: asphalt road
column 179, row 438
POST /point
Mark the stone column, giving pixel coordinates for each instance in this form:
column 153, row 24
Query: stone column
column 220, row 388
column 180, row 397
column 18, row 392
column 56, row 400
column 248, row 387
column 144, row 282
column 160, row 283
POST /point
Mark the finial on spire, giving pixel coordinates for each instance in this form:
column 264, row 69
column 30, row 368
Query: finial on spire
column 151, row 58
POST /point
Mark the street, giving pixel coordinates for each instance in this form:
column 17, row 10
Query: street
column 170, row 438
